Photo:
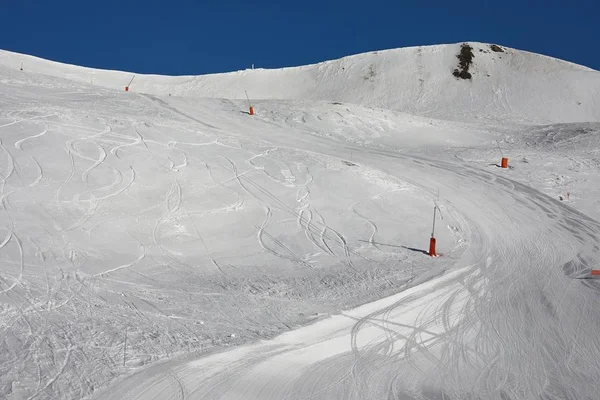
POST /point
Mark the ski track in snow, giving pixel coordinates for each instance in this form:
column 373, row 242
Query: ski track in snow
column 18, row 143
column 140, row 258
column 370, row 222
column 19, row 279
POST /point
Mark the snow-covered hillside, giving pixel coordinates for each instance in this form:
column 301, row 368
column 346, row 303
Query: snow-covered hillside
column 144, row 233
column 509, row 85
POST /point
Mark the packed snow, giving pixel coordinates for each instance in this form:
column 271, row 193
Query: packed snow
column 162, row 243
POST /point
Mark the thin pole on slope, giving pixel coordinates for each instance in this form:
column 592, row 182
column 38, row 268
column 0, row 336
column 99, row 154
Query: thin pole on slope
column 432, row 241
column 433, row 229
column 131, row 81
column 499, row 149
column 436, row 208
column 248, row 98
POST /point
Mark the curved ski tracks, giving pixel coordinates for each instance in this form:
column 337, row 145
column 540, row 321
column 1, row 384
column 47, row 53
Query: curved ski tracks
column 493, row 327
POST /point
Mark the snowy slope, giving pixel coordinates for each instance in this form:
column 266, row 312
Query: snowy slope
column 141, row 227
column 511, row 85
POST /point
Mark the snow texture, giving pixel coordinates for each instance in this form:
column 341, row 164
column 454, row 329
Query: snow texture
column 161, row 243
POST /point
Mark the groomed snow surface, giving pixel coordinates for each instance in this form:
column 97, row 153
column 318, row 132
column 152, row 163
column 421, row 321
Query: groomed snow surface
column 162, row 243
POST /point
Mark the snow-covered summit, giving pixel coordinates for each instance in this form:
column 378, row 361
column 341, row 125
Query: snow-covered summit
column 507, row 84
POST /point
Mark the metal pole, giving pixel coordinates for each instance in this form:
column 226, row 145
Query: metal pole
column 131, row 81
column 249, row 105
column 433, row 230
column 501, row 152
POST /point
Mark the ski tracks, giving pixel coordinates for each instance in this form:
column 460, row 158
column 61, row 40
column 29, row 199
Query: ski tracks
column 55, row 377
column 28, row 119
column 290, row 254
column 20, row 142
column 10, row 166
column 11, row 236
column 140, row 258
column 171, row 205
column 303, row 216
column 370, row 222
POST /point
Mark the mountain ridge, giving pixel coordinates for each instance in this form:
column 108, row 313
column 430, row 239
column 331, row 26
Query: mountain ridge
column 514, row 85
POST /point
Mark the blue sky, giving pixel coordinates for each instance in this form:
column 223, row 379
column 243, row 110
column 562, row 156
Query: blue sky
column 196, row 37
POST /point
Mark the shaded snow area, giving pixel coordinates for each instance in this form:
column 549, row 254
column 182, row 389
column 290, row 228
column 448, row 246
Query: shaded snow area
column 162, row 243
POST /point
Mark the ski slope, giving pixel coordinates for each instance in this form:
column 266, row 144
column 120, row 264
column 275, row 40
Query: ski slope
column 164, row 244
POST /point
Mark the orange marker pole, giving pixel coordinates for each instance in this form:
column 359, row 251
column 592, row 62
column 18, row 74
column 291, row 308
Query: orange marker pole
column 432, row 241
column 504, row 160
column 432, row 252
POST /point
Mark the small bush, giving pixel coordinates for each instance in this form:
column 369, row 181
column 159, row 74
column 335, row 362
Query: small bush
column 496, row 48
column 462, row 74
column 465, row 59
